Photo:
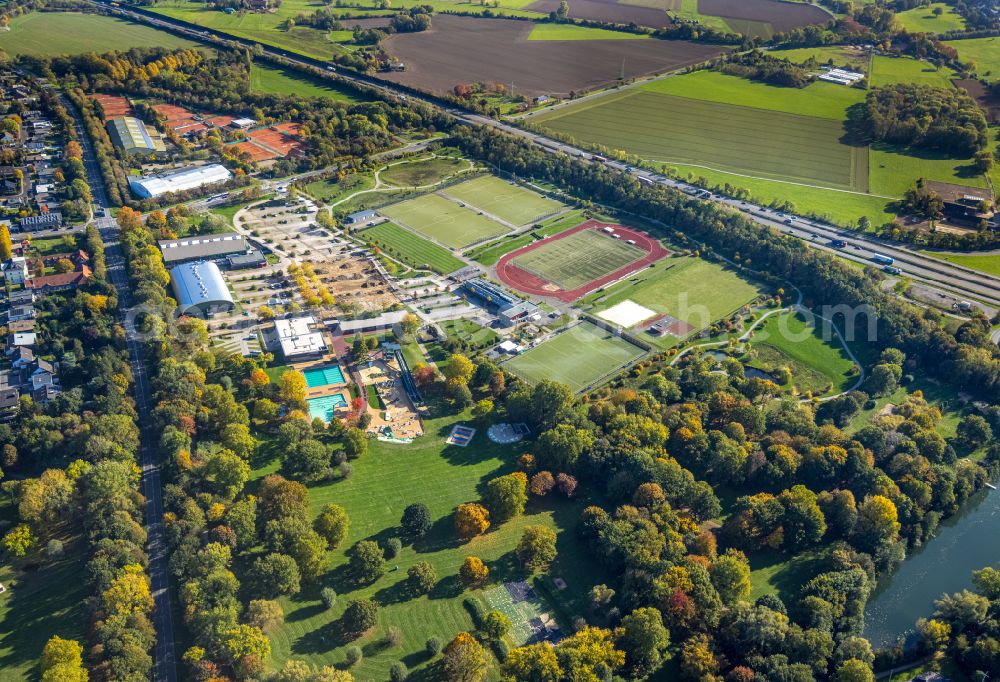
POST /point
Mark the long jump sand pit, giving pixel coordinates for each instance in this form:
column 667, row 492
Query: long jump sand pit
column 627, row 314
column 470, row 49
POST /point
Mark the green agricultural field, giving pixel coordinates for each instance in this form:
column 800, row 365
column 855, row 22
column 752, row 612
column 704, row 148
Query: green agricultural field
column 891, row 70
column 415, row 251
column 578, row 357
column 790, row 340
column 444, row 221
column 383, row 482
column 689, row 289
column 984, row 52
column 574, row 32
column 281, row 81
column 489, row 255
column 985, row 263
column 924, row 19
column 507, row 201
column 667, row 129
column 48, row 34
column 582, row 257
column 423, row 172
column 839, row 56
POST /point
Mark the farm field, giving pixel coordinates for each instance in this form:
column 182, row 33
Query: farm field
column 667, row 129
column 778, row 16
column 424, row 171
column 923, row 19
column 505, row 200
column 280, row 81
column 578, row 357
column 986, row 263
column 985, row 52
column 47, row 34
column 794, row 341
column 690, row 289
column 582, row 257
column 640, row 13
column 840, row 56
column 469, row 49
column 411, row 249
column 443, row 221
column 891, row 70
column 574, row 32
column 384, row 481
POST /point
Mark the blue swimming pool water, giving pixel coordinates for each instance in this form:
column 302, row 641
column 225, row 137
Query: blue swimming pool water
column 324, row 407
column 324, row 376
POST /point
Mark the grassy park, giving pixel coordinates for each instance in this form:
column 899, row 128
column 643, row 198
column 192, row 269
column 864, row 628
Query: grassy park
column 411, row 249
column 444, row 221
column 48, row 34
column 938, row 17
column 277, row 80
column 423, row 172
column 578, row 357
column 507, row 201
column 891, row 70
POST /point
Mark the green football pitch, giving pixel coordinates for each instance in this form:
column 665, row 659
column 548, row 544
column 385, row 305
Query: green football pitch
column 505, row 200
column 578, row 357
column 579, row 258
column 444, row 221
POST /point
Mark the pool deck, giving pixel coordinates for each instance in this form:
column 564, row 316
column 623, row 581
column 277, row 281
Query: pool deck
column 400, row 415
column 327, row 389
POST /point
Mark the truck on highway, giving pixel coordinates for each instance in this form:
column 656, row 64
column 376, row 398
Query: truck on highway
column 883, row 260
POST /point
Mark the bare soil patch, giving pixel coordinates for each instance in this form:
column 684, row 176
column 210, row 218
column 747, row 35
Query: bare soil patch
column 469, row 50
column 607, row 10
column 987, row 101
column 783, row 16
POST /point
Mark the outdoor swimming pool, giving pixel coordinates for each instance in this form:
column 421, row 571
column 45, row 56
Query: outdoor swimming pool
column 324, row 376
column 325, row 406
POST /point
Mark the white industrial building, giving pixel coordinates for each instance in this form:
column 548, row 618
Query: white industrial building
column 178, row 181
column 298, row 338
column 200, row 289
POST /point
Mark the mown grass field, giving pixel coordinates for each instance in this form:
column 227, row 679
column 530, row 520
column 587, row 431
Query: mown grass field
column 47, row 34
column 577, row 357
column 423, row 172
column 923, row 19
column 689, row 289
column 584, row 256
column 415, row 251
column 891, row 70
column 444, row 221
column 985, row 52
column 822, row 55
column 330, row 191
column 384, row 481
column 738, row 139
column 574, row 32
column 490, row 254
column 505, row 200
column 796, row 342
column 469, row 331
column 280, row 81
column 984, row 263
column 893, row 170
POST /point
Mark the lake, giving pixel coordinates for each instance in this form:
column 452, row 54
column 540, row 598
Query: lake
column 964, row 543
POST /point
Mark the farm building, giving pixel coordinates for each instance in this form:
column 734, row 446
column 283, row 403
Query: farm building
column 299, row 339
column 202, row 247
column 193, row 177
column 200, row 289
column 841, row 76
column 133, row 137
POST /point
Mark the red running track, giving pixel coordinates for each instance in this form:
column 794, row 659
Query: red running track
column 527, row 283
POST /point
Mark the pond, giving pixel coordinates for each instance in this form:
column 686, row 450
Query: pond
column 964, row 543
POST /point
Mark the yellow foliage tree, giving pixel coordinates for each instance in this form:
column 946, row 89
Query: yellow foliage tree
column 471, row 520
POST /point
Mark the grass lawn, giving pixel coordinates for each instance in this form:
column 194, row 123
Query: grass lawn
column 923, row 19
column 578, row 357
column 690, row 289
column 384, row 481
column 890, row 70
column 570, row 262
column 985, row 52
column 893, row 170
column 819, row 100
column 989, row 264
column 47, row 34
column 489, row 255
column 574, row 32
column 329, row 190
column 423, row 172
column 934, row 393
column 412, row 249
column 672, row 129
column 281, row 81
column 505, row 200
column 46, row 246
column 38, row 605
column 839, row 56
column 469, row 331
column 444, row 221
column 793, row 341
column 777, row 573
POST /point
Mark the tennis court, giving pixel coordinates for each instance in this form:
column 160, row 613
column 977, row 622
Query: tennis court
column 575, row 260
column 444, row 221
column 504, row 200
column 578, row 357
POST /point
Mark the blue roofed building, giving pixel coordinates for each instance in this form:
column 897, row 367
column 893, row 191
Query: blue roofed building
column 200, row 289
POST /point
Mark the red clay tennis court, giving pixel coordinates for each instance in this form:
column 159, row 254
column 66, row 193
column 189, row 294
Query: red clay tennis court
column 113, row 105
column 256, row 152
column 526, row 282
column 282, row 138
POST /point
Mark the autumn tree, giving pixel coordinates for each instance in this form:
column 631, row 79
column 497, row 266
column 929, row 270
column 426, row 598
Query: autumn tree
column 292, row 387
column 332, row 524
column 473, row 572
column 465, row 659
column 6, row 248
column 471, row 520
column 541, row 483
column 537, row 547
column 533, row 663
column 62, row 661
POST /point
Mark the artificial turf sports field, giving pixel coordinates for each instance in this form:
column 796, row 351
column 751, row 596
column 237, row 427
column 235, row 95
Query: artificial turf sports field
column 690, row 289
column 578, row 357
column 575, row 260
column 47, row 34
column 740, row 139
column 444, row 221
column 505, row 200
column 415, row 251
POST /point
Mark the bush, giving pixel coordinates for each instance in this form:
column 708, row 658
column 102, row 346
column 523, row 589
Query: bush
column 392, row 548
column 329, row 597
column 394, row 637
column 54, row 549
column 354, row 655
column 398, row 672
column 433, row 646
column 476, row 609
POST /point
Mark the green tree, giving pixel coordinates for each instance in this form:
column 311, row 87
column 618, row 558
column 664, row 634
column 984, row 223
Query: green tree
column 355, row 443
column 416, row 520
column 537, row 547
column 361, row 615
column 495, row 625
column 275, row 575
column 225, row 473
column 853, row 670
column 506, row 496
column 332, row 524
column 367, row 561
column 730, row 573
column 421, row 577
column 644, row 639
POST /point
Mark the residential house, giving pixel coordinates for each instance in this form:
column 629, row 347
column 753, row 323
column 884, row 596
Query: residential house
column 60, row 282
column 15, row 271
column 20, row 357
column 10, row 402
column 24, row 311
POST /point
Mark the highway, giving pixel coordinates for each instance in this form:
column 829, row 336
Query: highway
column 952, row 279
